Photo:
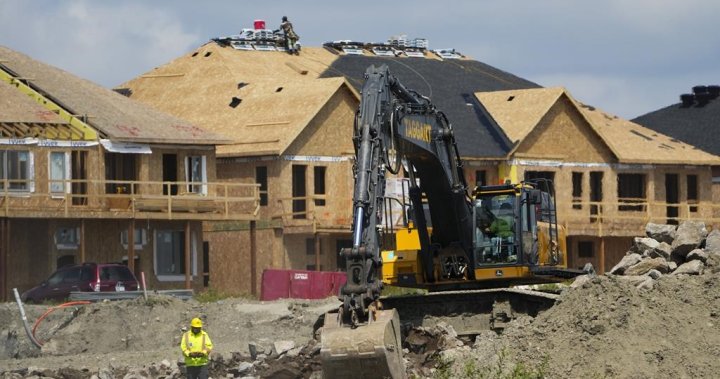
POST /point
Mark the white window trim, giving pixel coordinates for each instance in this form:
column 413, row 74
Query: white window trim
column 188, row 179
column 30, row 173
column 67, row 246
column 68, row 172
column 193, row 258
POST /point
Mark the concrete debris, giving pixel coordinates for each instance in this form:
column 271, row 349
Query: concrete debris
column 627, row 261
column 644, row 266
column 689, row 236
column 663, row 250
column 641, row 245
column 690, row 268
column 712, row 242
column 281, row 347
column 661, row 232
column 698, row 254
column 691, row 251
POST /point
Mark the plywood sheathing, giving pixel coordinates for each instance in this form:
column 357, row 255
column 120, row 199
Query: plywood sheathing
column 114, row 115
column 518, row 111
column 273, row 100
column 16, row 107
column 629, row 142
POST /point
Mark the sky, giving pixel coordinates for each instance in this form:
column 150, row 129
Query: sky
column 626, row 57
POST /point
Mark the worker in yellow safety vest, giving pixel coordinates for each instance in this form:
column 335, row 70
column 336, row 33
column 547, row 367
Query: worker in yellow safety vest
column 196, row 347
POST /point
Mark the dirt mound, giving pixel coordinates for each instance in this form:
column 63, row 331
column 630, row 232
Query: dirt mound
column 125, row 335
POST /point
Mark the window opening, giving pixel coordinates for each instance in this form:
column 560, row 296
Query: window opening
column 319, row 179
column 262, row 179
column 577, row 189
column 299, row 206
column 195, row 174
column 692, row 192
column 586, row 249
column 631, row 190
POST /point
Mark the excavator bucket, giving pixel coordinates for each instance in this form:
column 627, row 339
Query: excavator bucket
column 368, row 351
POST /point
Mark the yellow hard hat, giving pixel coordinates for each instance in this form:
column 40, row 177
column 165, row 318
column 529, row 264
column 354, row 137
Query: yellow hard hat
column 196, row 323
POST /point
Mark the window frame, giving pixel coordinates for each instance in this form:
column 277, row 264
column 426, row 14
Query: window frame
column 193, row 185
column 140, row 233
column 261, row 178
column 29, row 180
column 66, row 175
column 631, row 203
column 320, row 189
column 193, row 257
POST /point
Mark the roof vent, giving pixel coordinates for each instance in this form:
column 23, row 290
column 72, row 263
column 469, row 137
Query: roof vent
column 714, row 91
column 702, row 98
column 687, row 100
column 235, row 102
column 700, row 89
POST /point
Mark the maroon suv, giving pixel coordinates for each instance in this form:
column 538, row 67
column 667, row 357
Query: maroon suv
column 86, row 277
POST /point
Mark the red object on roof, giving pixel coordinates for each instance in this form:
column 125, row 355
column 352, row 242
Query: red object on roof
column 259, row 24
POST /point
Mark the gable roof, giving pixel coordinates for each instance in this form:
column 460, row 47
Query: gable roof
column 629, row 142
column 696, row 125
column 450, row 84
column 517, row 111
column 113, row 115
column 261, row 101
column 16, row 107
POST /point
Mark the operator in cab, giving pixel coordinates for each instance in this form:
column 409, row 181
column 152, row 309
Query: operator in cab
column 196, row 347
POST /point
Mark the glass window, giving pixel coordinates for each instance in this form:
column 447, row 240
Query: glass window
column 55, row 279
column 170, row 255
column 16, row 169
column 58, row 172
column 196, row 175
column 495, row 229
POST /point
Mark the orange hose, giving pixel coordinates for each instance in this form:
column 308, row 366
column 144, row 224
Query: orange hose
column 52, row 309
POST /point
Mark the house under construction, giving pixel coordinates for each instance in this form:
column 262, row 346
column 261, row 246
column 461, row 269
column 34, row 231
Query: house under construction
column 290, row 119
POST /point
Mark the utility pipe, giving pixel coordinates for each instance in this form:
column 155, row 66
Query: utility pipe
column 24, row 319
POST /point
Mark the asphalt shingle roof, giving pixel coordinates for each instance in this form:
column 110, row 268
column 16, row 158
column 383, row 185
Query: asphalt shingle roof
column 450, row 84
column 695, row 125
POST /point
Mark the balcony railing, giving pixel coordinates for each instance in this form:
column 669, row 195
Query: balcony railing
column 628, row 217
column 305, row 211
column 131, row 199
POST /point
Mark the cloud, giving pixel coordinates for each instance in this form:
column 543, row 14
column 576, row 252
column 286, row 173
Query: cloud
column 106, row 42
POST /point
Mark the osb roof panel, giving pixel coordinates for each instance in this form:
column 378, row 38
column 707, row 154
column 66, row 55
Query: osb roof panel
column 111, row 113
column 633, row 143
column 15, row 106
column 517, row 112
column 276, row 100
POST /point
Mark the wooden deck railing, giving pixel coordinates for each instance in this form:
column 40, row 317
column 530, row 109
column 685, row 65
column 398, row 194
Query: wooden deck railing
column 628, row 217
column 131, row 199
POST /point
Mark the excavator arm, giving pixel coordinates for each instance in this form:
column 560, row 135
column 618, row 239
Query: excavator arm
column 395, row 127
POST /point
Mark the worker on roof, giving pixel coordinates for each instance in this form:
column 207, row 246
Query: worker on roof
column 291, row 37
column 196, row 347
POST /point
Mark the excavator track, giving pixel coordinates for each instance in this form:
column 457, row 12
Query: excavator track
column 374, row 350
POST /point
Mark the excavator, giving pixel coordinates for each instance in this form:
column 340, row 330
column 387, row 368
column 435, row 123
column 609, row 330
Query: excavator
column 455, row 243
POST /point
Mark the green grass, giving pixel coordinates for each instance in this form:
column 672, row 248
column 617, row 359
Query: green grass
column 502, row 369
column 210, row 295
column 401, row 291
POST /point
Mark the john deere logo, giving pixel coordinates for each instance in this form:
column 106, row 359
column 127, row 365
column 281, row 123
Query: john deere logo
column 498, row 272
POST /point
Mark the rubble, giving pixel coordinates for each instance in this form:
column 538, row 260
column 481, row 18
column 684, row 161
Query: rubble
column 655, row 315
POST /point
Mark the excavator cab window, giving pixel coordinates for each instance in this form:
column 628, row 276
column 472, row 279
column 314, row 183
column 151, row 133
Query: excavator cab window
column 495, row 239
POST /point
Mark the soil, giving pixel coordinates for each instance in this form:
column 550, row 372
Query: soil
column 603, row 328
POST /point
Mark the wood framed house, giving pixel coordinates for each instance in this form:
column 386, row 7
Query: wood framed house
column 84, row 170
column 611, row 176
column 291, row 134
